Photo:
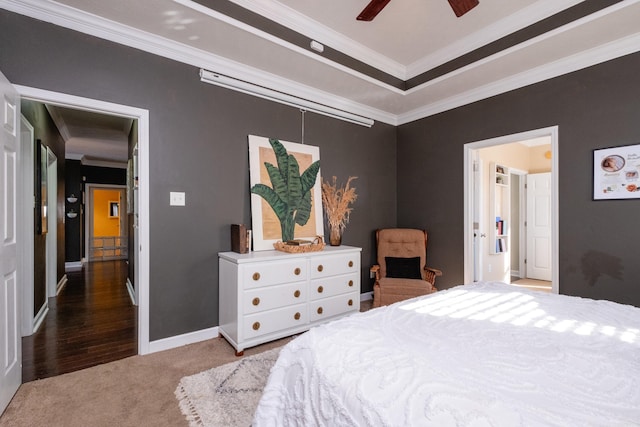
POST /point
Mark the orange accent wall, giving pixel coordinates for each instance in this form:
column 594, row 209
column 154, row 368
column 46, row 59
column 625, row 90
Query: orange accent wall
column 103, row 225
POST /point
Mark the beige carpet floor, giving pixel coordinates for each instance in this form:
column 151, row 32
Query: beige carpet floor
column 136, row 391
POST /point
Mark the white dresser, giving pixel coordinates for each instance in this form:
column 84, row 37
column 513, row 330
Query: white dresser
column 268, row 295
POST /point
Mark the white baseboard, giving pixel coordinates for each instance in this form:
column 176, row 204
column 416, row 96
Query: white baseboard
column 180, row 340
column 366, row 296
column 132, row 292
column 515, row 273
column 203, row 335
column 39, row 318
column 63, row 281
column 73, row 266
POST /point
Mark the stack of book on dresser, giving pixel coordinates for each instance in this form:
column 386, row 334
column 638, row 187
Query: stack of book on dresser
column 298, row 242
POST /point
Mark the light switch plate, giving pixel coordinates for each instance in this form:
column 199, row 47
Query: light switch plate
column 177, row 198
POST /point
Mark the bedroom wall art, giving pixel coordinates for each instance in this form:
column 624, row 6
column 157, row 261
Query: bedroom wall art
column 616, row 173
column 286, row 200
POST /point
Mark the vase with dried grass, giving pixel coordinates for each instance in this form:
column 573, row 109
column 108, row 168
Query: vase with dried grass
column 336, row 202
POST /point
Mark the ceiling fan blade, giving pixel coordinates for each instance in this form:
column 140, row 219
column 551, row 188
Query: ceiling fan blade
column 372, row 9
column 460, row 7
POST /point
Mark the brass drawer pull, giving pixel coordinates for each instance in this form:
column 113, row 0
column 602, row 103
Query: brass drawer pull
column 350, row 282
column 296, row 294
column 256, row 326
column 256, row 276
column 350, row 263
column 320, row 289
column 320, row 267
column 296, row 316
column 256, row 301
column 319, row 310
column 296, row 271
column 350, row 302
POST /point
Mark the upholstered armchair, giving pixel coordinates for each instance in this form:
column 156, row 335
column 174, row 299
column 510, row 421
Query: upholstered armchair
column 401, row 272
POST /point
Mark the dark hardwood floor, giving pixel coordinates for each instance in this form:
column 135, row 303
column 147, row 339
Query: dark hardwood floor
column 92, row 321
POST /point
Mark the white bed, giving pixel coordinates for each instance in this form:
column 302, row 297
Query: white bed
column 487, row 354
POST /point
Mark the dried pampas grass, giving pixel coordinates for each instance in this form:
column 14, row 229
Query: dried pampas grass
column 336, row 202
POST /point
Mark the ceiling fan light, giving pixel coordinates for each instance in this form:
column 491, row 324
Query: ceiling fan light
column 460, row 7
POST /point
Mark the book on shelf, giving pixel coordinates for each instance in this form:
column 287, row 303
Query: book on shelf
column 502, row 245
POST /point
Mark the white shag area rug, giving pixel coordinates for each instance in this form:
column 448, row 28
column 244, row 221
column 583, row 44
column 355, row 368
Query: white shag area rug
column 227, row 395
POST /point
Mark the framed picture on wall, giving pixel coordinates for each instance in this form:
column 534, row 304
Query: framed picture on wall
column 114, row 209
column 41, row 187
column 291, row 207
column 616, row 173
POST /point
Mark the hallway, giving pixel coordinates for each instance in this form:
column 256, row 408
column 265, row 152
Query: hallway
column 92, row 321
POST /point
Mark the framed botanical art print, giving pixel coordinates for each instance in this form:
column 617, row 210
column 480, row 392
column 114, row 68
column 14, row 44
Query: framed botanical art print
column 286, row 198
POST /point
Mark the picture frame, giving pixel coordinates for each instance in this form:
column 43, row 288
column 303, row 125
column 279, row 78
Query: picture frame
column 114, row 209
column 42, row 188
column 616, row 173
column 266, row 227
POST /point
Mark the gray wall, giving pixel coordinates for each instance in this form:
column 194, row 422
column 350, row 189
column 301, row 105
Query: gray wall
column 198, row 144
column 594, row 108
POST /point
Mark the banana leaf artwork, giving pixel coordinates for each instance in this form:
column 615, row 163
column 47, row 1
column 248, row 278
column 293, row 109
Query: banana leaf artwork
column 286, row 200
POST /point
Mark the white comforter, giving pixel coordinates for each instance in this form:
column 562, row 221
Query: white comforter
column 487, row 354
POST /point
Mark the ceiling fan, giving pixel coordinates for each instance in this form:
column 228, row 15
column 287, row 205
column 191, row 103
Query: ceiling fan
column 460, row 7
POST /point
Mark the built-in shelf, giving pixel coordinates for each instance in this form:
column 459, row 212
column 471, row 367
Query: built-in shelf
column 500, row 209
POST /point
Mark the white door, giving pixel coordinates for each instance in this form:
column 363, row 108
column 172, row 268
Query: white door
column 10, row 345
column 539, row 226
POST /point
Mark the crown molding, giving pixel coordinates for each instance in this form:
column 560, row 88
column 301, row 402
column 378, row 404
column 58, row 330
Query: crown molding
column 532, row 41
column 62, row 15
column 197, row 7
column 302, row 24
column 87, row 161
column 59, row 121
column 74, row 19
column 491, row 33
column 597, row 55
column 73, row 156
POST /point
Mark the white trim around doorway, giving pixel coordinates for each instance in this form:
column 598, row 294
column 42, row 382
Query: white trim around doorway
column 469, row 149
column 142, row 115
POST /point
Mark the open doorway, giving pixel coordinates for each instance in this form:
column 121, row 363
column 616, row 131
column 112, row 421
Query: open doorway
column 106, row 225
column 496, row 220
column 71, row 210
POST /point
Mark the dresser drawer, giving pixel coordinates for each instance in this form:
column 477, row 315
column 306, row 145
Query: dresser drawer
column 335, row 265
column 326, row 308
column 335, row 285
column 266, row 274
column 274, row 320
column 268, row 298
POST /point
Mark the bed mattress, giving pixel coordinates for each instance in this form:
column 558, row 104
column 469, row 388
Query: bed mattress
column 487, row 354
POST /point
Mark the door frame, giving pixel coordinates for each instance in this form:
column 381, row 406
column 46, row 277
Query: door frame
column 142, row 115
column 468, row 151
column 52, row 228
column 26, row 202
column 88, row 213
